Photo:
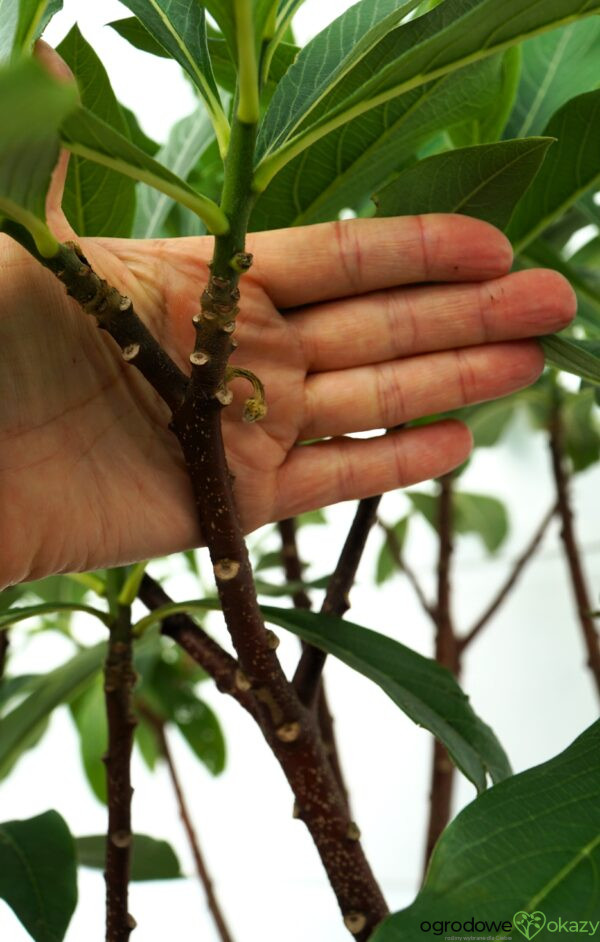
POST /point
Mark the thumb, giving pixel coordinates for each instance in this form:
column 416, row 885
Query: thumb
column 56, row 219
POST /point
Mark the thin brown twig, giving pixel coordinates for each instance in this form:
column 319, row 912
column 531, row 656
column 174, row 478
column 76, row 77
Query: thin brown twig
column 293, row 568
column 512, row 579
column 204, row 876
column 398, row 557
column 307, row 678
column 572, row 553
column 119, row 681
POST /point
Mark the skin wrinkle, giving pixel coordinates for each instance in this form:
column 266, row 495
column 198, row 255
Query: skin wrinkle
column 389, row 396
column 349, row 253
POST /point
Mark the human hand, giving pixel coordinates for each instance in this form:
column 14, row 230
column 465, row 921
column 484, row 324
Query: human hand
column 358, row 325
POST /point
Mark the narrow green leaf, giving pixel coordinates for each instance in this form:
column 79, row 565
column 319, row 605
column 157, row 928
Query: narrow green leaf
column 581, row 429
column 38, row 874
column 97, row 201
column 572, row 168
column 146, row 742
column 386, row 563
column 486, row 181
column 20, row 613
column 22, row 22
column 32, row 105
column 89, row 715
column 85, row 134
column 188, row 141
column 425, row 691
column 195, row 720
column 489, row 124
column 530, row 844
column 581, row 357
column 472, row 513
column 556, row 67
column 51, row 690
column 151, row 859
column 180, row 28
column 223, row 12
column 134, row 31
column 343, row 168
column 454, row 34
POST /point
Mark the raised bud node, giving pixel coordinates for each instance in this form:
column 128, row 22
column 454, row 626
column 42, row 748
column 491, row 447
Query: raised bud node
column 242, row 262
column 355, row 922
column 229, row 327
column 124, row 304
column 224, row 396
column 242, row 682
column 353, row 832
column 226, row 569
column 199, row 358
column 121, row 838
column 131, row 351
column 254, row 410
column 288, row 732
column 131, row 923
column 296, row 810
column 273, row 641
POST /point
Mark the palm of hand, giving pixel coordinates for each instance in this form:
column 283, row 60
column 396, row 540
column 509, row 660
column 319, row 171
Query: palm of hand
column 89, row 473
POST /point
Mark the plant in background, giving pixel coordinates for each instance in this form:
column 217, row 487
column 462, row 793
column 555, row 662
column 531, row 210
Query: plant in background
column 461, row 106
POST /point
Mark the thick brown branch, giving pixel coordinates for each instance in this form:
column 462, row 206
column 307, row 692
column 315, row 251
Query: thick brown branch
column 290, row 729
column 294, row 572
column 572, row 552
column 446, row 653
column 307, row 678
column 513, row 577
column 119, row 680
column 395, row 549
column 115, row 314
column 213, row 904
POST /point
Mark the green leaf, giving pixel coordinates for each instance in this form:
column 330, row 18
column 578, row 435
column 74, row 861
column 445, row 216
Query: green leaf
column 134, row 31
column 97, row 201
column 151, row 859
column 472, row 513
column 386, row 563
column 317, row 96
column 556, row 67
column 531, row 843
column 22, row 724
column 22, row 22
column 223, row 13
column 188, row 140
column 32, row 105
column 488, row 421
column 486, row 181
column 588, row 256
column 491, row 121
column 423, row 689
column 146, row 742
column 38, row 874
column 22, row 612
column 180, row 27
column 581, row 430
column 572, row 168
column 581, row 357
column 344, row 167
column 85, row 134
column 89, row 715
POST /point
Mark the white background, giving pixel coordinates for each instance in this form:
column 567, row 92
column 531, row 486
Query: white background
column 525, row 676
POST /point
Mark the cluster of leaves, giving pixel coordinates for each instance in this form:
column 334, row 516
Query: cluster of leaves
column 465, row 106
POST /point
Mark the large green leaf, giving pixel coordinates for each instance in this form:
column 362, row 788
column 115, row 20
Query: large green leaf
column 556, row 67
column 385, row 65
column 188, row 139
column 18, row 727
column 491, row 121
column 423, row 689
column 32, row 106
column 38, row 874
column 346, row 166
column 85, row 134
column 530, row 844
column 472, row 513
column 22, row 22
column 97, row 201
column 485, row 181
column 572, row 168
column 89, row 714
column 581, row 357
column 180, row 27
column 151, row 859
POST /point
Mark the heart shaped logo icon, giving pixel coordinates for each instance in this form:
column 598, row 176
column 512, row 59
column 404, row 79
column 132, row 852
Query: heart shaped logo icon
column 529, row 924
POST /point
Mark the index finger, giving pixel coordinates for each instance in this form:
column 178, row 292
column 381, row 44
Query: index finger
column 338, row 259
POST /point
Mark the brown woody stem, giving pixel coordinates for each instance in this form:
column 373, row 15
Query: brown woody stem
column 307, row 678
column 446, row 653
column 513, row 577
column 294, row 573
column 572, row 552
column 395, row 549
column 119, row 681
